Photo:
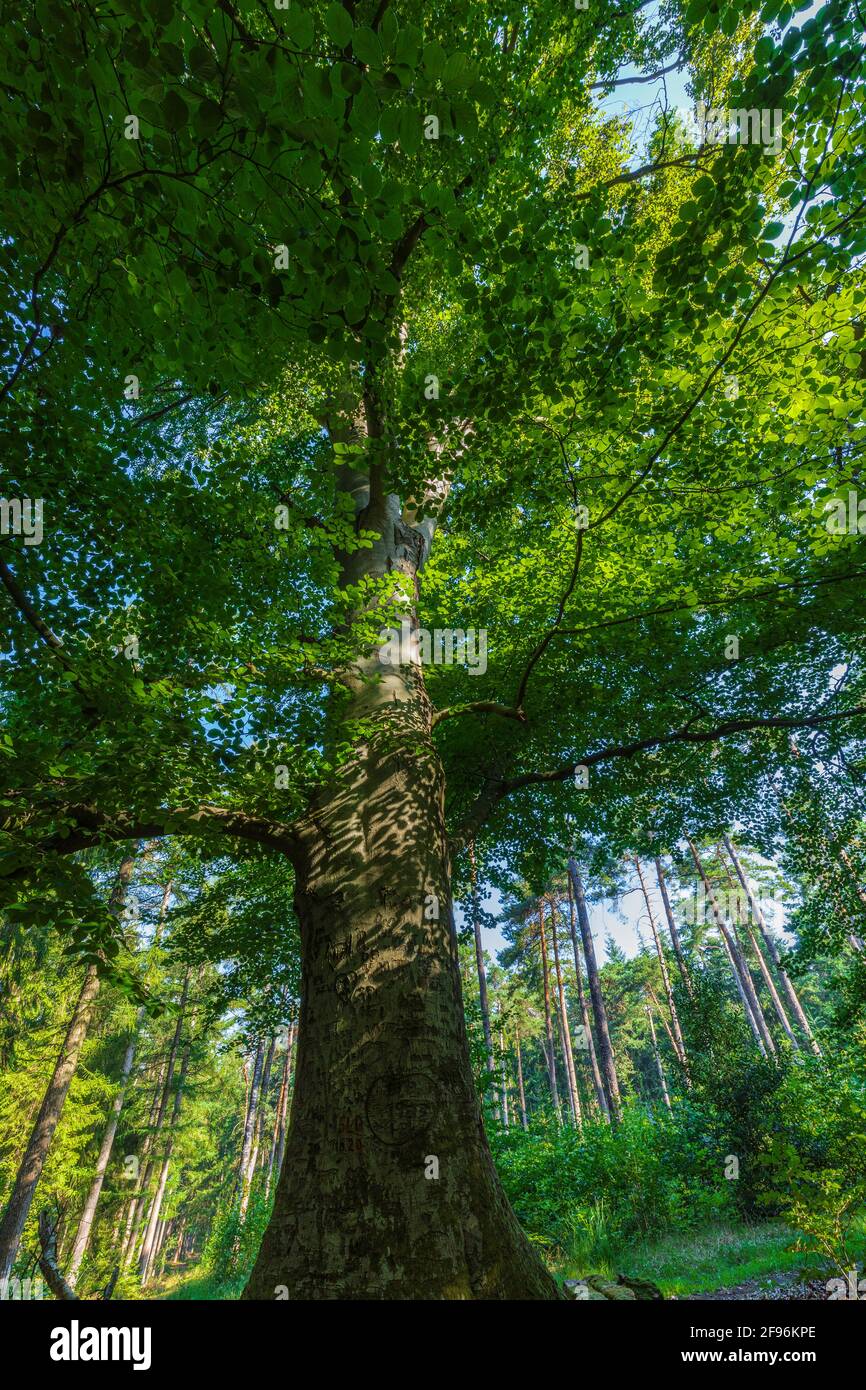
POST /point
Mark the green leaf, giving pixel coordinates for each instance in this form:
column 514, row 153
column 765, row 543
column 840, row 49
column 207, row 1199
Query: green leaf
column 338, row 23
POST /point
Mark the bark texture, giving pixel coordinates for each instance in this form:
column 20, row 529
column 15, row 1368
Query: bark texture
column 383, row 1081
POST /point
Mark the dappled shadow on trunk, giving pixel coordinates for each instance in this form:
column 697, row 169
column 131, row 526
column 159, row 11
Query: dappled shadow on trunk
column 388, row 1188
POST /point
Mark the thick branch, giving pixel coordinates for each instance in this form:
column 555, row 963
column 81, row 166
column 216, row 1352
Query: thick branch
column 497, row 789
column 26, row 609
column 636, row 78
column 478, row 707
column 90, row 826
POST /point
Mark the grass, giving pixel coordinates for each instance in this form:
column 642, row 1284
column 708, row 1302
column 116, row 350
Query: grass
column 203, row 1287
column 717, row 1257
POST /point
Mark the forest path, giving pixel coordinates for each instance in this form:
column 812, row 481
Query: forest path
column 780, row 1285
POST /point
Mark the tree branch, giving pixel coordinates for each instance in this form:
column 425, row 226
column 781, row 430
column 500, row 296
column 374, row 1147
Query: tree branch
column 90, row 826
column 478, row 707
column 497, row 789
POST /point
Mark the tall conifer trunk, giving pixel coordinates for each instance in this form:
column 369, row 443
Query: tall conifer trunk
column 550, row 1052
column 745, row 985
column 672, row 927
column 679, row 1043
column 33, row 1162
column 609, row 1077
column 565, row 1028
column 589, row 1041
column 483, row 996
column 787, row 986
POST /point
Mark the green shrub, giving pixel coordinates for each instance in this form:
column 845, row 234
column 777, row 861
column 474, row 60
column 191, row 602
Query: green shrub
column 600, row 1188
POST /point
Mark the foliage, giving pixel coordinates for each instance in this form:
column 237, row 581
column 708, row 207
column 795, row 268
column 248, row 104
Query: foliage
column 816, row 1165
column 603, row 1188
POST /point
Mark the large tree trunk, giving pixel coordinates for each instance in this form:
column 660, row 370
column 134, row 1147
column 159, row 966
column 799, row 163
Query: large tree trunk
column 383, row 1079
column 787, row 985
column 384, row 1083
column 33, row 1162
column 605, row 1046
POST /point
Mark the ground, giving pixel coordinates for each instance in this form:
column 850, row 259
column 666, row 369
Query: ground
column 720, row 1262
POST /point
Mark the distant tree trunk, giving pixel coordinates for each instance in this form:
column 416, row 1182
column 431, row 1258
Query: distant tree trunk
column 158, row 1242
column 156, row 1130
column 657, row 1055
column 479, row 961
column 85, row 1225
column 568, row 1052
column 524, row 1120
column 679, row 1042
column 146, row 1257
column 787, row 985
column 548, row 1021
column 284, row 1111
column 753, row 1010
column 33, row 1162
column 747, row 1008
column 241, row 1186
column 589, row 1041
column 504, row 1074
column 133, row 1204
column 279, row 1113
column 762, row 964
column 261, row 1115
column 605, row 1046
column 672, row 928
column 661, row 1013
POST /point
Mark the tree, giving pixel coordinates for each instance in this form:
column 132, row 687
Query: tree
column 453, row 442
column 51, row 1109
